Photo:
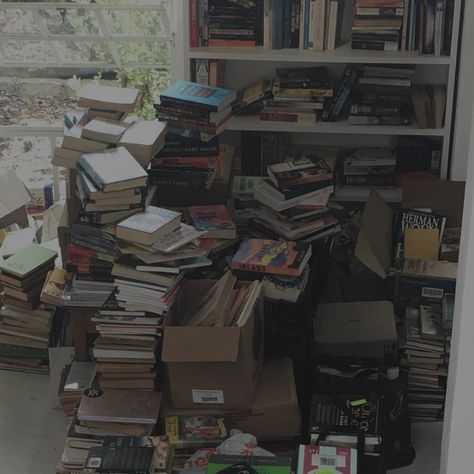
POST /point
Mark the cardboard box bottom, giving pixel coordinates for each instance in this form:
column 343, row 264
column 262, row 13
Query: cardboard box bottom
column 274, row 413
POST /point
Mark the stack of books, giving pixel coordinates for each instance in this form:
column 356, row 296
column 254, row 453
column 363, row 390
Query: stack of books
column 194, row 110
column 127, row 348
column 299, row 95
column 425, row 350
column 370, row 167
column 113, row 421
column 382, row 96
column 25, row 324
column 226, row 23
column 296, row 196
column 186, row 164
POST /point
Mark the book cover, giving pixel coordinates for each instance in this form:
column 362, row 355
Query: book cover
column 113, row 170
column 26, row 261
column 213, row 98
column 53, row 289
column 212, row 219
column 196, row 431
column 177, row 239
column 133, row 460
column 413, row 219
column 261, row 464
column 326, row 460
column 150, row 220
column 272, row 256
column 100, row 97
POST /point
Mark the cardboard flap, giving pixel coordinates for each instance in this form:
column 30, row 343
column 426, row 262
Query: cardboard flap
column 13, row 198
column 443, row 197
column 374, row 245
column 201, row 344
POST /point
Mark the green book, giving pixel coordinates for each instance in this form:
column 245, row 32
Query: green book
column 261, row 464
column 27, row 261
column 17, row 352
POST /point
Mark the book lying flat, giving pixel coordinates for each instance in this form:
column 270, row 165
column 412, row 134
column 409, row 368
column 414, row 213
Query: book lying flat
column 104, row 130
column 27, row 261
column 94, row 96
column 215, row 220
column 113, row 170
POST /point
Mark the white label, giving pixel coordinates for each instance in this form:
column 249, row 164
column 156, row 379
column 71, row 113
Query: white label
column 208, row 396
column 437, row 293
column 327, row 460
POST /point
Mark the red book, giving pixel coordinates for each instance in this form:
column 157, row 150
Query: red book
column 232, row 44
column 193, row 24
column 326, row 459
column 73, row 249
column 186, row 161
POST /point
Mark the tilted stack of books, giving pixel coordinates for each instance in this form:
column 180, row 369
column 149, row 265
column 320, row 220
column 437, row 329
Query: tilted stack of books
column 195, row 110
column 296, row 195
column 25, row 323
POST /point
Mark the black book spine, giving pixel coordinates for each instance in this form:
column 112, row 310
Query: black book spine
column 259, row 23
column 369, row 180
column 286, row 23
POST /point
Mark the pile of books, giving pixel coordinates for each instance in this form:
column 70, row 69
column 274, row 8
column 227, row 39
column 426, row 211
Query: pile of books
column 424, row 347
column 370, row 167
column 111, row 431
column 195, row 110
column 75, row 378
column 25, row 323
column 226, row 23
column 299, row 95
column 402, row 25
column 295, row 197
column 381, row 96
column 186, row 164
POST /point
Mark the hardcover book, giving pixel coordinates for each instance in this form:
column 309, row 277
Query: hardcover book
column 338, row 419
column 209, row 97
column 133, row 460
column 148, row 226
column 195, row 431
column 277, row 257
column 113, row 170
column 326, row 459
column 177, row 239
column 27, row 261
column 215, row 220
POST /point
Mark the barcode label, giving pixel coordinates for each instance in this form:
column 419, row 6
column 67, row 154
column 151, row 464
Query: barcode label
column 94, row 462
column 437, row 293
column 208, row 396
column 325, row 460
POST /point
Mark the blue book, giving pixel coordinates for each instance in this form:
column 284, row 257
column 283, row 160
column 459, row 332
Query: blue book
column 211, row 98
column 277, row 24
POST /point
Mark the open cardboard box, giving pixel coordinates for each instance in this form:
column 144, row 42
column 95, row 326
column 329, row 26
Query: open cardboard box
column 374, row 245
column 14, row 196
column 273, row 414
column 211, row 366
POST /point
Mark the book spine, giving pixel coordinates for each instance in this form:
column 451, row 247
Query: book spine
column 339, row 104
column 320, row 18
column 439, row 27
column 369, row 180
column 203, row 22
column 201, row 71
column 295, row 25
column 92, row 175
column 375, row 109
column 305, row 23
column 286, row 18
column 97, row 246
column 404, row 38
column 193, row 24
column 379, row 11
column 193, row 162
column 259, row 28
column 288, row 117
column 267, row 22
column 376, row 120
column 332, row 30
column 375, row 45
column 232, row 43
column 277, row 24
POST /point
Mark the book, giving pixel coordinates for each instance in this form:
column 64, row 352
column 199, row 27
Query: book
column 148, row 226
column 322, row 459
column 133, row 460
column 432, row 322
column 113, row 170
column 178, row 239
column 271, row 256
column 100, row 97
column 338, row 419
column 104, row 130
column 176, row 266
column 120, row 406
column 285, row 288
column 261, row 464
column 27, row 261
column 209, row 97
column 53, row 289
column 188, row 432
column 215, row 220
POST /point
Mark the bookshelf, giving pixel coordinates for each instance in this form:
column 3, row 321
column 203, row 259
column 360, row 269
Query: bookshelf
column 246, row 64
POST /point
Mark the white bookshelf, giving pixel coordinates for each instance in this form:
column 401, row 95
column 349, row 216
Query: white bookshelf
column 243, row 65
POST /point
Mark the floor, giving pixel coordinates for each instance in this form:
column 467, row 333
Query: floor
column 33, row 429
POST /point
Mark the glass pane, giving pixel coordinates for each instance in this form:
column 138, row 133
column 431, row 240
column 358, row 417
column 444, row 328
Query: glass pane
column 69, row 21
column 17, row 21
column 25, row 52
column 144, row 52
column 129, row 22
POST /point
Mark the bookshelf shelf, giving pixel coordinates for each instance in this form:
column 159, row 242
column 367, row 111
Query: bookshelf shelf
column 343, row 54
column 253, row 123
column 356, row 194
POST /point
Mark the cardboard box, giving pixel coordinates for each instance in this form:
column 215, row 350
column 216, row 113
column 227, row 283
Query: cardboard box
column 273, row 413
column 357, row 330
column 374, row 245
column 212, row 366
column 14, row 196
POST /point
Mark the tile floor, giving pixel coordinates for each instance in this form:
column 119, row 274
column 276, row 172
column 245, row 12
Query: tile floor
column 33, row 428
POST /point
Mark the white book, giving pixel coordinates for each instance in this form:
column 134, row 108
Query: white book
column 332, row 26
column 440, row 13
column 177, row 239
column 319, row 25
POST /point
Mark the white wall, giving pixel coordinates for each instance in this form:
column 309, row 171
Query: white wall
column 463, row 115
